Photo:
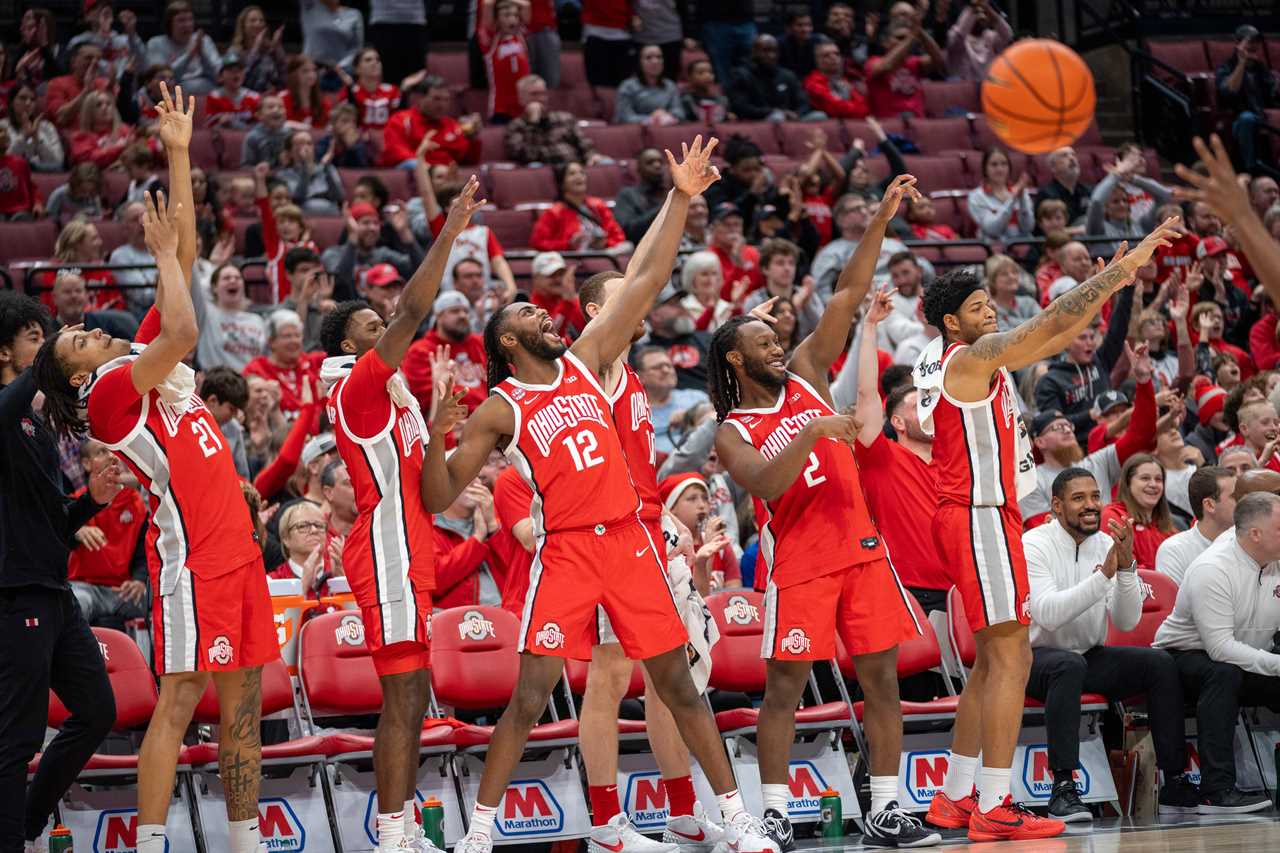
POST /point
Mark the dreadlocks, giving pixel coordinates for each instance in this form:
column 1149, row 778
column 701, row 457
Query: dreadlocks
column 722, row 382
column 61, row 400
column 497, row 368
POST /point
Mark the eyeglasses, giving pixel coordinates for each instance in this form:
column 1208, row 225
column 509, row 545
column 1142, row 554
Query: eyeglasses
column 307, row 527
column 1060, row 426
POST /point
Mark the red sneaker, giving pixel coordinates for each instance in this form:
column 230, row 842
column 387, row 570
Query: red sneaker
column 951, row 814
column 1011, row 821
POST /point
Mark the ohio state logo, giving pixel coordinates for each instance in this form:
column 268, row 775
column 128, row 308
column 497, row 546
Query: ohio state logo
column 1026, row 606
column 741, row 611
column 220, row 652
column 796, row 642
column 474, row 626
column 350, row 631
column 549, row 637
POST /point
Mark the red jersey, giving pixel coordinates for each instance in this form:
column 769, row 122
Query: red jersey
column 405, row 129
column 226, row 109
column 635, row 431
column 469, row 360
column 199, row 519
column 375, row 108
column 291, row 379
column 975, row 444
column 18, row 193
column 901, row 491
column 121, row 522
column 506, row 60
column 1179, row 254
column 511, row 501
column 900, row 91
column 316, row 115
column 567, row 449
column 820, row 524
column 382, row 441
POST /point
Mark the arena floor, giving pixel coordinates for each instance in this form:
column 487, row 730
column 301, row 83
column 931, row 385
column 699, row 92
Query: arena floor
column 1246, row 833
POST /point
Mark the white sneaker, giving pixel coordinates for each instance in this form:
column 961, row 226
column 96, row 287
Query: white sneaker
column 619, row 836
column 695, row 833
column 474, row 842
column 421, row 844
column 40, row 845
column 745, row 834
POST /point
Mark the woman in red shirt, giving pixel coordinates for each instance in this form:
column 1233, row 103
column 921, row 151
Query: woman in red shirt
column 80, row 243
column 374, row 100
column 305, row 542
column 100, row 136
column 577, row 222
column 1140, row 497
column 304, row 105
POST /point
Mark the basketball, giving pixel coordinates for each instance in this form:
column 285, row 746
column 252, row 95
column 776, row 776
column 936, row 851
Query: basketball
column 1038, row 96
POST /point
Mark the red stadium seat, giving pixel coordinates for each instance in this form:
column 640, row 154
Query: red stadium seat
column 795, row 136
column 399, row 182
column 470, row 640
column 605, row 179
column 573, row 71
column 575, row 674
column 28, row 241
column 862, row 130
column 953, row 209
column 326, row 231
column 513, row 186
column 229, row 144
column 511, row 227
column 493, row 148
column 1160, row 592
column 112, row 233
column 578, row 101
column 47, row 182
column 1186, row 55
column 935, row 135
column 950, row 97
column 204, row 149
column 606, row 100
column 762, row 133
column 473, row 101
column 671, row 136
column 939, row 173
column 115, row 183
column 621, row 142
column 1092, row 134
column 452, row 65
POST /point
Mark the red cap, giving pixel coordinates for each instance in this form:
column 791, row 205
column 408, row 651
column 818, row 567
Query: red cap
column 1211, row 246
column 1210, row 398
column 382, row 275
column 670, row 489
column 361, row 209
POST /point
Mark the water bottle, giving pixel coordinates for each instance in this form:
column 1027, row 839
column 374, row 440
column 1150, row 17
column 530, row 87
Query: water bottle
column 830, row 816
column 60, row 840
column 433, row 821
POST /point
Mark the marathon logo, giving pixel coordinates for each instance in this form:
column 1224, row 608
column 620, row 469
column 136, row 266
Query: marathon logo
column 787, row 430
column 1193, row 762
column 1038, row 778
column 474, row 626
column 563, row 413
column 645, row 799
column 741, row 611
column 529, row 808
column 117, row 832
column 281, row 830
column 926, row 770
column 806, row 787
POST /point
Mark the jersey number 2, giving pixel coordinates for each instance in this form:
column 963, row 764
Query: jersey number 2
column 210, row 443
column 582, row 448
column 811, row 475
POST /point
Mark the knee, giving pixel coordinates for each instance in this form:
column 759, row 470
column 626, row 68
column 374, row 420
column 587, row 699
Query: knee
column 527, row 705
column 1068, row 671
column 879, row 676
column 1246, row 121
column 1224, row 676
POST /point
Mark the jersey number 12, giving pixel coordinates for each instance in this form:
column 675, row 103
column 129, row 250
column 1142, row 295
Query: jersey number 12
column 582, row 448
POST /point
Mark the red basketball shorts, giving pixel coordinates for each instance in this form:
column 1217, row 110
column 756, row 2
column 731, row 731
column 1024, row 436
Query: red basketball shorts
column 396, row 611
column 865, row 603
column 214, row 624
column 619, row 568
column 982, row 548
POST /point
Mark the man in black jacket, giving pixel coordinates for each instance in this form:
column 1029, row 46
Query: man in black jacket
column 44, row 640
column 763, row 89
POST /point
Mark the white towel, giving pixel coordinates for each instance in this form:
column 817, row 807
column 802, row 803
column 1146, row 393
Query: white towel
column 336, row 367
column 178, row 388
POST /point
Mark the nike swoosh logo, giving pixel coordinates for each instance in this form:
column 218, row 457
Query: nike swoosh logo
column 700, row 836
column 616, row 848
column 1014, row 823
column 640, row 553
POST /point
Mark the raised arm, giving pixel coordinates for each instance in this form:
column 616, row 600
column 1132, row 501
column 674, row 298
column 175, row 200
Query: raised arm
column 178, row 329
column 870, row 410
column 609, row 334
column 424, row 284
column 1065, row 316
column 175, row 133
column 817, row 352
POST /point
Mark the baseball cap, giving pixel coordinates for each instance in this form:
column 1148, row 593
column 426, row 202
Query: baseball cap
column 1247, row 32
column 1211, row 246
column 232, row 57
column 317, row 447
column 548, row 263
column 1041, row 421
column 448, row 300
column 361, row 209
column 1108, row 400
column 725, row 209
column 671, row 488
column 766, row 211
column 382, row 275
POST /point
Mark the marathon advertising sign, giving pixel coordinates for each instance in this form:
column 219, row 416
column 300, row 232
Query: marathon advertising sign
column 529, row 808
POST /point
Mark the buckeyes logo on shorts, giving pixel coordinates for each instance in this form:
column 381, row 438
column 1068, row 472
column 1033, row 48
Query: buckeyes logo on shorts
column 220, row 652
column 796, row 642
column 549, row 637
column 741, row 611
column 474, row 626
column 350, row 631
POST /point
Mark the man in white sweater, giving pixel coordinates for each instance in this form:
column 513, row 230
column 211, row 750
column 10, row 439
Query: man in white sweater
column 1222, row 634
column 1213, row 503
column 1081, row 578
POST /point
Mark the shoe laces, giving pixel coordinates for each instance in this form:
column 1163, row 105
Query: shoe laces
column 1022, row 809
column 748, row 824
column 895, row 814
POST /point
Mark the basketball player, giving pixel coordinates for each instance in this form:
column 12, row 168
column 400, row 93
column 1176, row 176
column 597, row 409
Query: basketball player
column 551, row 415
column 388, row 555
column 609, row 675
column 211, row 613
column 782, row 440
column 982, row 458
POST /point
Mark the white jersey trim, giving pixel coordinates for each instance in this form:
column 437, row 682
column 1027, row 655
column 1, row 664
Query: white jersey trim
column 512, row 445
column 347, row 431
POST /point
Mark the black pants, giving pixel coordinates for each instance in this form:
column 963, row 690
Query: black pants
column 402, row 47
column 1058, row 677
column 45, row 643
column 1219, row 689
column 608, row 62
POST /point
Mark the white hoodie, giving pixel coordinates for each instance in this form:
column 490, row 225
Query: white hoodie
column 1070, row 596
column 1229, row 606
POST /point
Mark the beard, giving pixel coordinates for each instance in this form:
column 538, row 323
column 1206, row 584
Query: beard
column 759, row 372
column 1066, row 456
column 537, row 345
column 1078, row 525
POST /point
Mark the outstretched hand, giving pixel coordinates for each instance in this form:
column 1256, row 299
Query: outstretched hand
column 450, row 413
column 695, row 173
column 881, row 305
column 1221, row 188
column 463, row 206
column 174, row 122
column 160, row 225
column 902, row 186
column 1163, row 235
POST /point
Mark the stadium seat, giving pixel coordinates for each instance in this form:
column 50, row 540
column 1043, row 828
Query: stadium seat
column 1159, row 593
column 605, row 179
column 935, row 135
column 204, row 149
column 28, row 241
column 115, row 183
column 736, row 665
column 952, row 208
column 473, row 101
column 950, row 97
column 228, row 144
column 493, row 148
column 1186, row 55
column 575, row 681
column 606, row 99
column 466, row 641
column 573, row 70
column 579, row 101
column 47, row 182
column 326, row 230
column 513, row 186
column 619, row 141
column 511, row 227
column 938, row 173
column 1092, row 134
column 399, row 182
column 671, row 136
column 795, row 137
column 762, row 133
column 862, row 130
column 452, row 65
column 112, row 233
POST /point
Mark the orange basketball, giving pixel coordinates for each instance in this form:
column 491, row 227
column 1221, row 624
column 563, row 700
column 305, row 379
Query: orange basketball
column 1038, row 96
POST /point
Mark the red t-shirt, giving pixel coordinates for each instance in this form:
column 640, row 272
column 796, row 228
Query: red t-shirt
column 291, row 379
column 374, row 107
column 900, row 91
column 1180, row 253
column 565, row 314
column 18, row 193
column 239, row 108
column 506, row 61
column 934, row 231
column 818, row 207
column 316, row 116
column 121, row 522
column 467, row 354
column 1146, row 537
column 731, row 271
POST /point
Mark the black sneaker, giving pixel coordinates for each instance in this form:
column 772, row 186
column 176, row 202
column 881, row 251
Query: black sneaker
column 895, row 828
column 777, row 828
column 1065, row 804
column 1180, row 796
column 1233, row 801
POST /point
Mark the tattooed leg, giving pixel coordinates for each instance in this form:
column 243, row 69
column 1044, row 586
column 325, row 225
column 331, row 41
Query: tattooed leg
column 240, row 740
column 158, row 758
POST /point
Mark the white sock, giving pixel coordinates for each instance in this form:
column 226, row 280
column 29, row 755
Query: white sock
column 993, row 787
column 961, row 770
column 244, row 835
column 884, row 790
column 390, row 829
column 482, row 820
column 411, row 829
column 776, row 797
column 150, row 838
column 731, row 805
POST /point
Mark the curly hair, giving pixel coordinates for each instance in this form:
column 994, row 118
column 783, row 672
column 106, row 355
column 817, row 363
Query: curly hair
column 740, row 148
column 947, row 294
column 61, row 399
column 333, row 330
column 17, row 312
column 722, row 383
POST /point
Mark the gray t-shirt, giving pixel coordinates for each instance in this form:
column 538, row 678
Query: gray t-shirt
column 659, row 22
column 331, row 38
column 397, row 12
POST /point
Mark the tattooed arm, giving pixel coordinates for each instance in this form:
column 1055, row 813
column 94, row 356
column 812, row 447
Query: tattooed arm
column 970, row 375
